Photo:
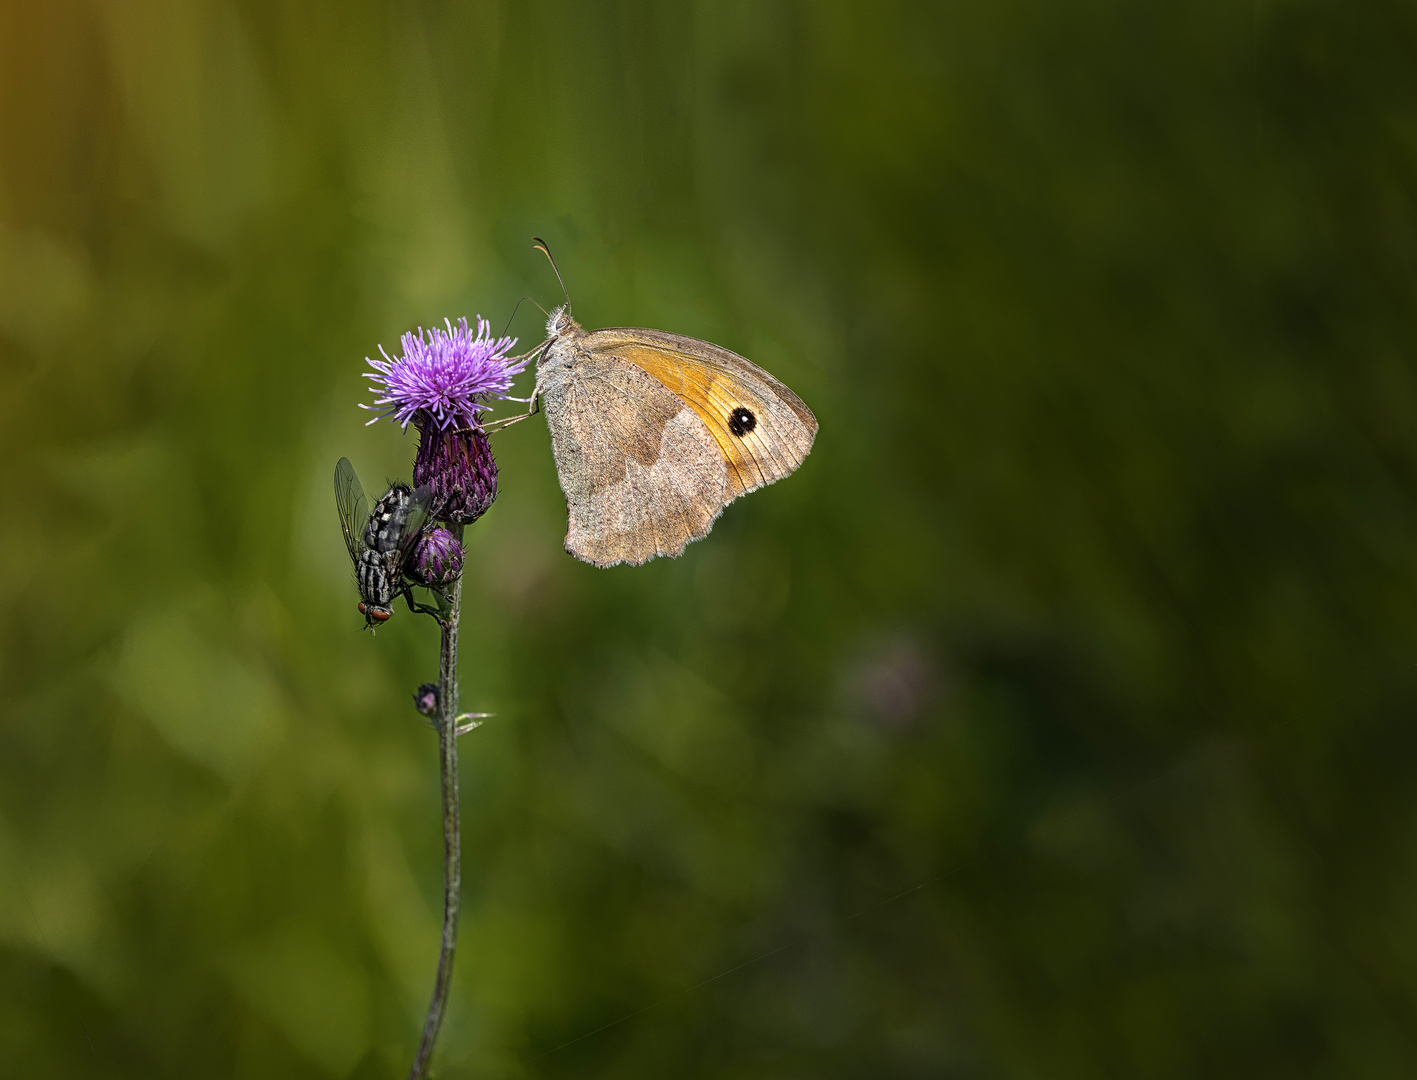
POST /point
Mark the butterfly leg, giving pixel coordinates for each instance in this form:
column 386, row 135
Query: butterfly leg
column 529, row 353
column 508, row 421
column 533, row 407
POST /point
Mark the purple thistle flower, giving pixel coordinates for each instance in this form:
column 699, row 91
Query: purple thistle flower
column 443, row 380
column 440, row 384
column 437, row 558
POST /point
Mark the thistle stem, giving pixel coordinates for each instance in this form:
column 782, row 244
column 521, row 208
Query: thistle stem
column 452, row 868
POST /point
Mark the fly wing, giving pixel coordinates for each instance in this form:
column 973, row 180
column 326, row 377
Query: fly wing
column 419, row 503
column 353, row 507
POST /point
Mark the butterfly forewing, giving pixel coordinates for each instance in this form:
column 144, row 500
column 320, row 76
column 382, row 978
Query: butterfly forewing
column 762, row 428
column 353, row 507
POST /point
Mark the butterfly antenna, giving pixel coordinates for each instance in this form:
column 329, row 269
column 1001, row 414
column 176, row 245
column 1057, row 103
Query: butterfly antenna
column 540, row 246
column 513, row 315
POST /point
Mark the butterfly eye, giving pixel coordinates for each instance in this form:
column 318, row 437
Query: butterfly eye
column 741, row 421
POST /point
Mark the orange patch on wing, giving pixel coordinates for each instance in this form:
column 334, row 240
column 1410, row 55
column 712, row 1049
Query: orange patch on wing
column 757, row 458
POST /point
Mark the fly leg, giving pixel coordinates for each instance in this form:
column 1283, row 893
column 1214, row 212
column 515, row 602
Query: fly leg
column 420, row 609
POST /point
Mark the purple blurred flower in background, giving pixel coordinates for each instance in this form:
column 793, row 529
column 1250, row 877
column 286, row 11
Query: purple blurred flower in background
column 441, row 383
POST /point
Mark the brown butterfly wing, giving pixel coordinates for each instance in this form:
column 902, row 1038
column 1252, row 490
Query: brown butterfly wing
column 641, row 474
column 715, row 383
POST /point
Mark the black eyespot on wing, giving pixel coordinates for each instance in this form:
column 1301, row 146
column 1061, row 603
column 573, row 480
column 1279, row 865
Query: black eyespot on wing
column 741, row 421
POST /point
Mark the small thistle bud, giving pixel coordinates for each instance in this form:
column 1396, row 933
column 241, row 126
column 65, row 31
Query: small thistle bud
column 426, row 699
column 436, row 560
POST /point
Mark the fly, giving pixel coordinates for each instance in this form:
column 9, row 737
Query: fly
column 379, row 541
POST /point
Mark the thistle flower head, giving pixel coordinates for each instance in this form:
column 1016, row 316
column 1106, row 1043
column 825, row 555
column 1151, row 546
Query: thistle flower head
column 443, row 380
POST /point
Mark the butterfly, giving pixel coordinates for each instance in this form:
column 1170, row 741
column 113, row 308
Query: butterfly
column 654, row 434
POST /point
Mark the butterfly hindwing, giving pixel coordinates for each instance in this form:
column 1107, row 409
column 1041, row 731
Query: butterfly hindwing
column 641, row 473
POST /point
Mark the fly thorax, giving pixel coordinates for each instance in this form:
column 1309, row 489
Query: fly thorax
column 384, row 530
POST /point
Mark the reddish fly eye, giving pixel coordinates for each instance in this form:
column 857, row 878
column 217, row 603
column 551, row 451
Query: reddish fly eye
column 361, row 607
column 380, row 616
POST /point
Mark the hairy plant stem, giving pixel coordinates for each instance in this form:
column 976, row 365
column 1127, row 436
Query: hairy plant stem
column 452, row 867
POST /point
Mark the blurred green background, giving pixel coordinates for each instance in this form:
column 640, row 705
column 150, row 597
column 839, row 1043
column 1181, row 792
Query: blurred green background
column 1054, row 720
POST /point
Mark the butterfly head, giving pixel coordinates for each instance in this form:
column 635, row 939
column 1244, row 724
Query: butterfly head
column 561, row 322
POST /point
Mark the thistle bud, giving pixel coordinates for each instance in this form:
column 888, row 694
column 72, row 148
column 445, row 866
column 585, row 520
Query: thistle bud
column 436, row 560
column 458, row 465
column 427, row 700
